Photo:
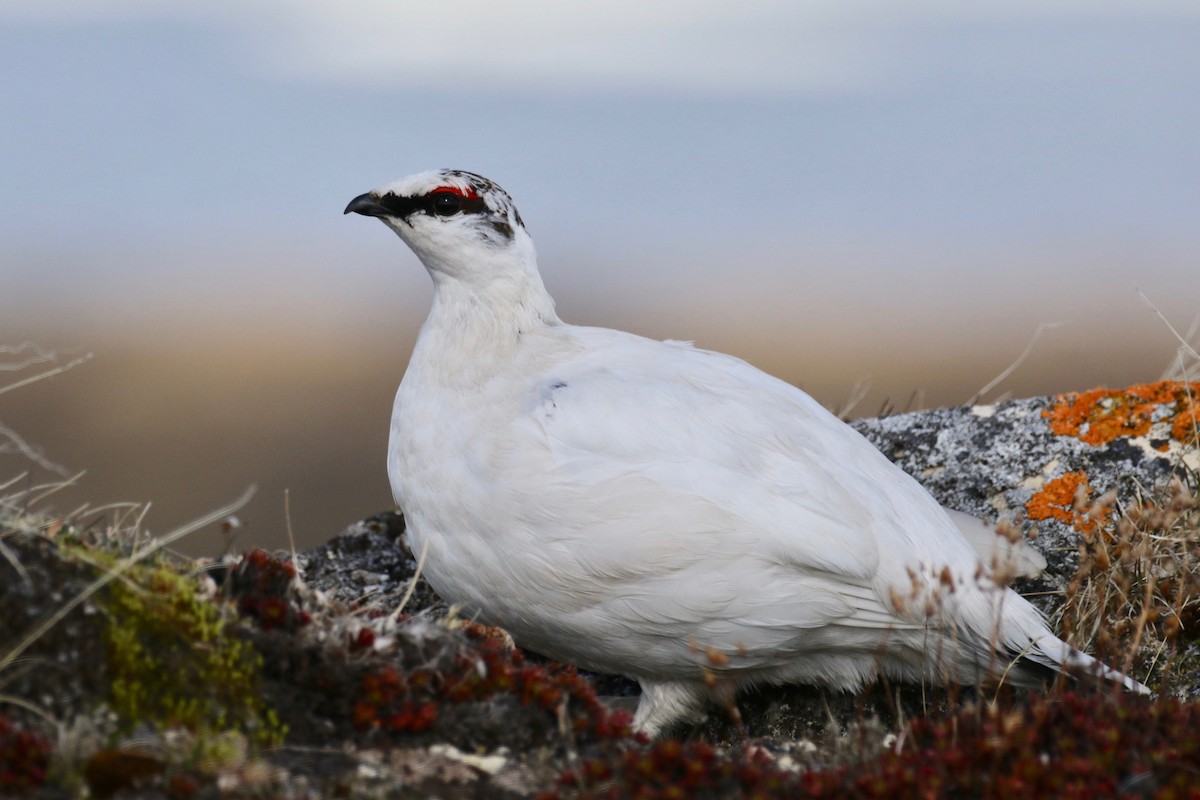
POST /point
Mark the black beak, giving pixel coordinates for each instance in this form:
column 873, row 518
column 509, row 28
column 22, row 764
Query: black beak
column 366, row 205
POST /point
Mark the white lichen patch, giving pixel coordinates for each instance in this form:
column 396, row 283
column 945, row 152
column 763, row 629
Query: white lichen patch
column 1174, row 451
column 489, row 764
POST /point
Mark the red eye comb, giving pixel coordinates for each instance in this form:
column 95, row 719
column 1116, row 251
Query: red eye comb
column 467, row 193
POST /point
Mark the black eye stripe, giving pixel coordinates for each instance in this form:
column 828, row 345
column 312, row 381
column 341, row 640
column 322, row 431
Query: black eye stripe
column 401, row 206
column 397, row 206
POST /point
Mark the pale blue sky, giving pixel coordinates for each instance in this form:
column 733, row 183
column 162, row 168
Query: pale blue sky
column 835, row 190
column 707, row 130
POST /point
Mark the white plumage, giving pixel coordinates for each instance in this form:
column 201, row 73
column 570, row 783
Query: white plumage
column 664, row 512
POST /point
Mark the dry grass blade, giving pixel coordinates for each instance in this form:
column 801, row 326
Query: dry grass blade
column 1045, row 326
column 33, row 708
column 48, row 489
column 1185, row 346
column 860, row 390
column 50, row 373
column 10, row 440
column 1185, row 364
column 412, row 586
column 38, row 355
column 12, row 559
column 18, row 445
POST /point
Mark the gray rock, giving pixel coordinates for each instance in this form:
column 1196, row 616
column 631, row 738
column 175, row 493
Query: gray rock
column 990, row 461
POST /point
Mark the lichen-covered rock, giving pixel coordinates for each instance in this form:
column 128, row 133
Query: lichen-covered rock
column 370, row 564
column 1027, row 459
column 57, row 671
column 1109, row 480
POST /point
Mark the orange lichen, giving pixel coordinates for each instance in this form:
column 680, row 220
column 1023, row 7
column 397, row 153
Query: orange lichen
column 1102, row 415
column 1187, row 424
column 1065, row 499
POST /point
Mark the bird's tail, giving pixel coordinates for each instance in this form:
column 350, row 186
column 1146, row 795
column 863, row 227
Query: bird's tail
column 1050, row 651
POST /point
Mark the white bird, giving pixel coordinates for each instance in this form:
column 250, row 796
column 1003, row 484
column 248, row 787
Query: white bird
column 660, row 511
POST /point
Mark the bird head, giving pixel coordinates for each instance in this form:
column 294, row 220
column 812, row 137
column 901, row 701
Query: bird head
column 453, row 220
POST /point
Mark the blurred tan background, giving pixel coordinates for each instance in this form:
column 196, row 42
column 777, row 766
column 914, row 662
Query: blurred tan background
column 846, row 196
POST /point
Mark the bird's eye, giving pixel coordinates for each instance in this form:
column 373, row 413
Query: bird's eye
column 446, row 204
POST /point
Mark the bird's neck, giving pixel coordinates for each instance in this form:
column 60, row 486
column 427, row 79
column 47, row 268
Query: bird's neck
column 478, row 321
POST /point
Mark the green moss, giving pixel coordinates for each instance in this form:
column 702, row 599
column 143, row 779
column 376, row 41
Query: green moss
column 173, row 659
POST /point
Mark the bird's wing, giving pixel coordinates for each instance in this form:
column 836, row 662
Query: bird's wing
column 697, row 423
column 680, row 464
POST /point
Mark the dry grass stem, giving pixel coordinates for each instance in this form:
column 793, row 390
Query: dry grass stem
column 1136, row 591
column 50, row 373
column 412, row 586
column 1045, row 326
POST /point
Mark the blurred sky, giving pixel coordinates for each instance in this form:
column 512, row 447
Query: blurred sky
column 893, row 191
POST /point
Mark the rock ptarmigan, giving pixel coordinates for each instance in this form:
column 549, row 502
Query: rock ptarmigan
column 660, row 511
